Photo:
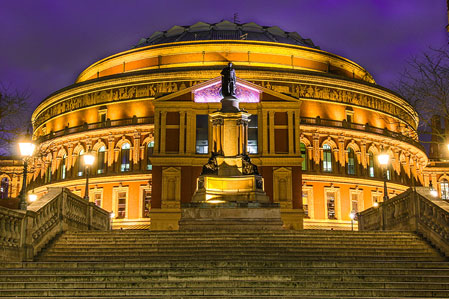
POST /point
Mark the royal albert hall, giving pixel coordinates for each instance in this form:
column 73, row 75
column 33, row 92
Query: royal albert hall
column 318, row 122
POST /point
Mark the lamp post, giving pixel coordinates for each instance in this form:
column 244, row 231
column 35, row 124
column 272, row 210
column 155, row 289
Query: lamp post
column 352, row 216
column 433, row 191
column 88, row 161
column 26, row 148
column 383, row 158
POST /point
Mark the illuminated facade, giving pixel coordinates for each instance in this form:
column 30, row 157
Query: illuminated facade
column 144, row 114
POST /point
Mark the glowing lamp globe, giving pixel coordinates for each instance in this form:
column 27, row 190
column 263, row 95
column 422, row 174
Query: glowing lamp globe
column 32, row 197
column 433, row 192
column 375, row 204
column 88, row 159
column 352, row 215
column 383, row 159
column 26, row 148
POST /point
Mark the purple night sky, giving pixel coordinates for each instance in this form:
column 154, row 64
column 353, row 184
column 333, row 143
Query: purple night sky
column 45, row 44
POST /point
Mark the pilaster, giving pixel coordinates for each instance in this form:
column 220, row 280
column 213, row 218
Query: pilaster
column 271, row 130
column 291, row 140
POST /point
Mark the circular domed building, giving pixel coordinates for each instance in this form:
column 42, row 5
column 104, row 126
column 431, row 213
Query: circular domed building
column 318, row 121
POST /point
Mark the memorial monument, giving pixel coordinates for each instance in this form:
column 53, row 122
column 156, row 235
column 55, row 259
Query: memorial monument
column 229, row 193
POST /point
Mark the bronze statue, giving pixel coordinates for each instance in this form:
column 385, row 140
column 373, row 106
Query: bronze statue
column 211, row 167
column 248, row 168
column 228, row 81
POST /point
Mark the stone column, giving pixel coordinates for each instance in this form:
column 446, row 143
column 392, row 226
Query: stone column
column 110, row 152
column 272, row 148
column 290, row 133
column 182, row 119
column 264, row 132
column 297, row 133
column 136, row 148
column 162, row 139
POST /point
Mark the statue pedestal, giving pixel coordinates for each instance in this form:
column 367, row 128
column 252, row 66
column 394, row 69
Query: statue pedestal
column 230, row 216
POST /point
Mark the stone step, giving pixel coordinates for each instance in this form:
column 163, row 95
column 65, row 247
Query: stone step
column 236, row 236
column 245, row 241
column 228, row 259
column 263, row 283
column 227, row 292
column 237, row 250
column 191, row 264
column 236, row 275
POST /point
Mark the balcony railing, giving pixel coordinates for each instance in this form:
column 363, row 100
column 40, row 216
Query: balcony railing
column 98, row 125
column 359, row 127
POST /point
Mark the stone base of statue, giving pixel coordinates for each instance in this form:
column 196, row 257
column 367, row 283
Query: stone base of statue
column 230, row 216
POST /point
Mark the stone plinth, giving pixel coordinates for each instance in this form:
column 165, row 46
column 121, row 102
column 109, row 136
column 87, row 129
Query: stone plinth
column 230, row 216
column 217, row 189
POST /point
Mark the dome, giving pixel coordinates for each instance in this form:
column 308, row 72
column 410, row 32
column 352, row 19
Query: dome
column 225, row 30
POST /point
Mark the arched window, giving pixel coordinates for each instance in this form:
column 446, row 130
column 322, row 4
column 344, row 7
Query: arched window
column 101, row 165
column 303, row 149
column 62, row 167
column 150, row 148
column 351, row 161
column 124, row 154
column 327, row 158
column 80, row 163
column 4, row 188
column 371, row 165
column 444, row 189
column 48, row 173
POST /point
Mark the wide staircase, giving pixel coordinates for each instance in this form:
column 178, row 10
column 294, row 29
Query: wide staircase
column 305, row 264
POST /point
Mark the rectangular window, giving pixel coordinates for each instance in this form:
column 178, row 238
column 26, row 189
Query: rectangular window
column 63, row 167
column 303, row 156
column 101, row 165
column 48, row 173
column 252, row 135
column 330, row 196
column 97, row 198
column 202, row 134
column 354, row 202
column 371, row 165
column 121, row 204
column 146, row 203
column 376, row 198
column 150, row 150
column 327, row 158
column 444, row 190
column 305, row 203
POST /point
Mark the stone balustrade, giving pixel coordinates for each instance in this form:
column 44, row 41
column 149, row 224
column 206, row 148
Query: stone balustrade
column 414, row 210
column 24, row 233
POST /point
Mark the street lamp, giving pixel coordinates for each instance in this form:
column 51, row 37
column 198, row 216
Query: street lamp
column 433, row 191
column 26, row 148
column 32, row 197
column 352, row 216
column 88, row 161
column 383, row 158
